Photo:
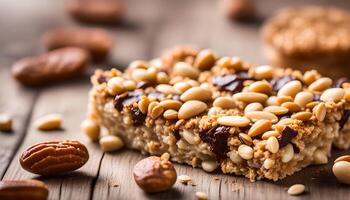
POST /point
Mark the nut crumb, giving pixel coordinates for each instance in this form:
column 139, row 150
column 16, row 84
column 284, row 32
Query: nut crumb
column 184, row 179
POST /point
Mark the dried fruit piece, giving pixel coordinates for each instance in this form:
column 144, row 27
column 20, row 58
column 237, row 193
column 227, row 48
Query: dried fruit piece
column 51, row 158
column 154, row 174
column 50, row 67
column 23, row 189
column 97, row 42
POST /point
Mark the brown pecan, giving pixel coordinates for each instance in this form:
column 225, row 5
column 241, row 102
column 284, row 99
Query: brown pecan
column 23, row 189
column 50, row 158
column 53, row 66
column 92, row 11
column 95, row 40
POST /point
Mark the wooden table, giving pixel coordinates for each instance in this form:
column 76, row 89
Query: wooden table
column 150, row 26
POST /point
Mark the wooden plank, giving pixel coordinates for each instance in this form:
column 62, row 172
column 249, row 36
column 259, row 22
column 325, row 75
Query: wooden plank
column 16, row 101
column 70, row 100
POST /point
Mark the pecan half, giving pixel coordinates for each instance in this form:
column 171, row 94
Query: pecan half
column 23, row 189
column 96, row 41
column 50, row 158
column 53, row 66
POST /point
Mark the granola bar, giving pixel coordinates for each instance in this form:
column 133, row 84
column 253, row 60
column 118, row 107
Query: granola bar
column 309, row 37
column 223, row 113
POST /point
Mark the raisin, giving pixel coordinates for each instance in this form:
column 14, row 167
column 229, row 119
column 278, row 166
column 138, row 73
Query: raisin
column 232, row 82
column 176, row 134
column 126, row 99
column 344, row 119
column 137, row 116
column 278, row 83
column 287, row 135
column 217, row 139
column 102, row 79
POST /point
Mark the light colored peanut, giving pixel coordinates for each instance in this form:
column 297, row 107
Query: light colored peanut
column 268, row 134
column 272, row 101
column 341, row 170
column 48, row 122
column 170, row 114
column 201, row 196
column 181, row 87
column 166, row 89
column 290, row 89
column 272, row 144
column 129, row 85
column 261, row 87
column 259, row 127
column 253, row 107
column 91, row 129
column 138, row 64
column 263, row 72
column 205, row 59
column 296, row 189
column 111, row 143
column 268, row 163
column 224, row 102
column 303, row 115
column 196, row 93
column 171, row 104
column 162, row 78
column 190, row 137
column 333, row 94
column 156, row 111
column 209, row 165
column 277, row 110
column 245, row 152
column 234, row 156
column 5, row 122
column 310, row 76
column 320, row 84
column 250, row 97
column 257, row 115
column 143, row 104
column 288, row 153
column 237, row 121
column 186, row 70
column 291, row 106
column 282, row 99
column 245, row 138
column 115, row 86
column 191, row 108
column 303, row 98
column 320, row 111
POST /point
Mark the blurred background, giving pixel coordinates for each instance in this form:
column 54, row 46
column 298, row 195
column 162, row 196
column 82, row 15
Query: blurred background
column 147, row 28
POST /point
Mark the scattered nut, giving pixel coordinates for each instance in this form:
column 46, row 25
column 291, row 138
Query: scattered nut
column 91, row 11
column 57, row 65
column 48, row 122
column 191, row 109
column 341, row 170
column 111, row 143
column 51, row 158
column 296, row 189
column 23, row 189
column 184, row 179
column 96, row 41
column 5, row 122
column 240, row 10
column 201, row 196
column 91, row 129
column 154, row 174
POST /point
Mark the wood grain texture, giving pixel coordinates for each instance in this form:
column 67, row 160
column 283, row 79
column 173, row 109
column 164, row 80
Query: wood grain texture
column 149, row 28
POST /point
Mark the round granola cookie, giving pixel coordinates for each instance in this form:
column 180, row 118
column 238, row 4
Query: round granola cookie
column 309, row 37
